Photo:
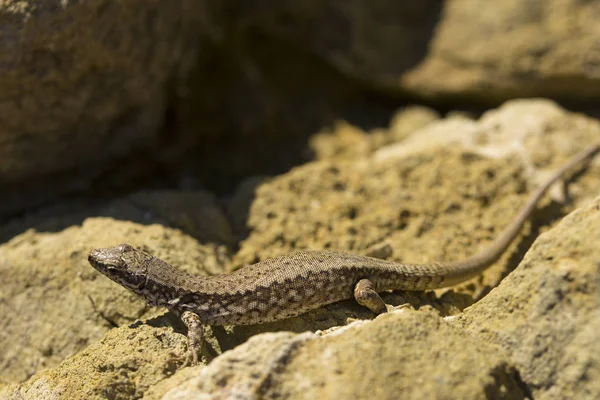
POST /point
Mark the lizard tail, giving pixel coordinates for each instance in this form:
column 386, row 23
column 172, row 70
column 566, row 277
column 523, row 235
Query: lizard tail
column 458, row 271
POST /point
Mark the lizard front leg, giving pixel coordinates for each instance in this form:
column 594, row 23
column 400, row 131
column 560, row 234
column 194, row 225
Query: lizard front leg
column 195, row 337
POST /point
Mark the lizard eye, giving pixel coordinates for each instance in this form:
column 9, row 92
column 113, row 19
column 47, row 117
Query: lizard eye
column 125, row 248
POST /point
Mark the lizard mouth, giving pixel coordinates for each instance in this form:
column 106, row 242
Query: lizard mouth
column 142, row 284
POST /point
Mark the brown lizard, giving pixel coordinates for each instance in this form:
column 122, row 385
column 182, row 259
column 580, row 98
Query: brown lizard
column 297, row 282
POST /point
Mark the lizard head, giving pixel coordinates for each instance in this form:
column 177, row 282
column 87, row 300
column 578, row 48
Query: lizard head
column 123, row 264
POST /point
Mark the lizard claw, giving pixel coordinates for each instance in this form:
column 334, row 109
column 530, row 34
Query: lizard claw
column 191, row 358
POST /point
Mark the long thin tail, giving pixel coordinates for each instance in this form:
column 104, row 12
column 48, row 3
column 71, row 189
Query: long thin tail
column 459, row 271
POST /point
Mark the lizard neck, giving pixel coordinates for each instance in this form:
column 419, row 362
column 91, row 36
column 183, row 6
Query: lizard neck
column 166, row 285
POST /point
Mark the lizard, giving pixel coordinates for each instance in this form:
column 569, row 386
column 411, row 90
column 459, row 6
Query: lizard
column 297, row 282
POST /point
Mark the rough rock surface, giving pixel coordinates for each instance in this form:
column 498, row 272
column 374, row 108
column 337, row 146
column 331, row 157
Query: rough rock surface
column 135, row 121
column 345, row 140
column 434, row 196
column 510, row 49
column 122, row 365
column 373, row 41
column 442, row 200
column 83, row 83
column 460, row 49
column 545, row 314
column 53, row 305
column 377, row 359
column 167, row 90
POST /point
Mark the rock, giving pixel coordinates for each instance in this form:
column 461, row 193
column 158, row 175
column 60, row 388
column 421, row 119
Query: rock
column 406, row 121
column 84, row 83
column 140, row 82
column 531, row 129
column 440, row 194
column 346, row 141
column 432, row 203
column 510, row 50
column 397, row 353
column 123, row 365
column 379, row 358
column 545, row 314
column 447, row 51
column 374, row 42
column 54, row 304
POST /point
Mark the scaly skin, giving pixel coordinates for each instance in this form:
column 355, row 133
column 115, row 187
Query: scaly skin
column 297, row 282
